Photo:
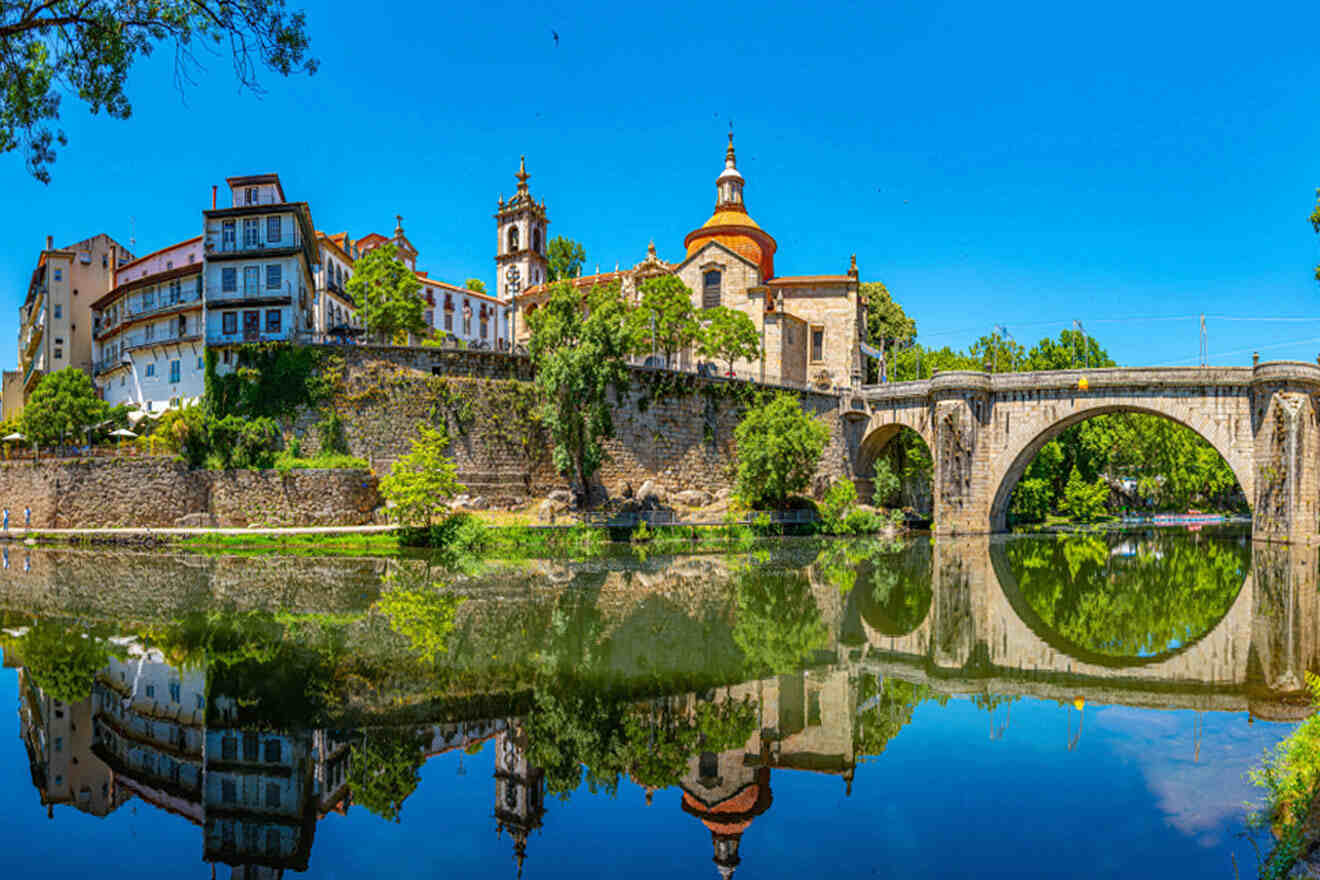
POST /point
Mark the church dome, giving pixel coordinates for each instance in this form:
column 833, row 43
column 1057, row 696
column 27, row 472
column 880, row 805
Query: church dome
column 730, row 224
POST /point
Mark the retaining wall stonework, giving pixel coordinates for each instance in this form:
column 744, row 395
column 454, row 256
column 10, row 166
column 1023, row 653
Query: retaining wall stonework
column 673, row 428
column 160, row 493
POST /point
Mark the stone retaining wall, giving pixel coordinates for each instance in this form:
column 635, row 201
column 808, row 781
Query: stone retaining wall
column 158, row 492
column 673, row 428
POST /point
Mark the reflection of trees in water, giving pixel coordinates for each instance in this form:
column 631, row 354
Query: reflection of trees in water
column 384, row 769
column 62, row 656
column 887, row 582
column 778, row 624
column 1130, row 597
column 885, row 707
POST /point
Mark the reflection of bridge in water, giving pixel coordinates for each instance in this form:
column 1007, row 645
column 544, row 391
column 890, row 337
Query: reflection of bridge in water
column 981, row 636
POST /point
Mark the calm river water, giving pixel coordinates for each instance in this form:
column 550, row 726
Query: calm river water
column 1080, row 706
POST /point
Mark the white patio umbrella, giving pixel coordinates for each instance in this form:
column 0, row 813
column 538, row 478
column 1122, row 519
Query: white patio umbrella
column 14, row 437
column 122, row 432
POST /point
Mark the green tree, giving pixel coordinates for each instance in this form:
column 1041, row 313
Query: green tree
column 728, row 335
column 778, row 446
column 476, row 285
column 1085, row 501
column 664, row 319
column 564, row 258
column 63, row 658
column 778, row 625
column 389, row 293
column 579, row 356
column 383, row 769
column 1072, row 350
column 422, row 613
column 997, row 354
column 419, row 483
column 888, row 327
column 90, row 46
column 62, row 406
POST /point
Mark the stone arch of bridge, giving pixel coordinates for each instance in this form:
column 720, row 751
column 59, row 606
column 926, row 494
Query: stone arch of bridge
column 882, row 431
column 1031, row 434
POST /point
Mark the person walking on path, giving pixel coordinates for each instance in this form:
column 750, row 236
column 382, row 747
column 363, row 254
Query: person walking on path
column 6, row 523
column 27, row 516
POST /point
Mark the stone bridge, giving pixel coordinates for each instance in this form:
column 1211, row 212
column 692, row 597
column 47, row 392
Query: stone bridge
column 984, row 429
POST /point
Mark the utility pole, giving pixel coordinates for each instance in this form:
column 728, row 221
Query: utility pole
column 1086, row 349
column 1205, row 360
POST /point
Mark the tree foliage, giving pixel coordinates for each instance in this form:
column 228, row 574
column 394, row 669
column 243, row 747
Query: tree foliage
column 90, row 46
column 578, row 350
column 476, row 285
column 62, row 406
column 564, row 258
column 383, row 769
column 664, row 319
column 62, row 658
column 389, row 293
column 420, row 482
column 728, row 335
column 779, row 445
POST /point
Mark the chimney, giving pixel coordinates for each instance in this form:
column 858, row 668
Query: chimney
column 50, row 242
column 1255, row 358
column 214, row 187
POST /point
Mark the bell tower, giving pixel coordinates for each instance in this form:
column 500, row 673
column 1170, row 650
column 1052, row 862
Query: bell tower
column 520, row 225
column 519, row 791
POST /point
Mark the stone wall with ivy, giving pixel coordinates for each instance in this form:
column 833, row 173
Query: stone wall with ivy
column 675, row 429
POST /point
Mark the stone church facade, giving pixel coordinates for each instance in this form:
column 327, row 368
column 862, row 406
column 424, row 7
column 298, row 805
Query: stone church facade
column 810, row 325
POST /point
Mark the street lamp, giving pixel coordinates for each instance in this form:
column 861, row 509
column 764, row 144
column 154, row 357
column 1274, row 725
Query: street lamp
column 514, row 279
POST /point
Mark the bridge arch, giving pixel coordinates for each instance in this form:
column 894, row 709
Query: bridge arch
column 883, row 429
column 1042, row 424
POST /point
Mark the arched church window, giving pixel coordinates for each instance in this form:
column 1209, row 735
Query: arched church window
column 536, row 240
column 710, row 289
column 513, row 239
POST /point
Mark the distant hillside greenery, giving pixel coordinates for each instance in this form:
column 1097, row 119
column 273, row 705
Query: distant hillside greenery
column 1106, row 465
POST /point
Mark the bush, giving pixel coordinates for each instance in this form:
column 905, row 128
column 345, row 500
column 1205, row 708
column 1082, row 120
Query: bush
column 287, row 461
column 779, row 446
column 245, row 443
column 1085, row 501
column 840, row 500
column 421, row 481
column 330, row 432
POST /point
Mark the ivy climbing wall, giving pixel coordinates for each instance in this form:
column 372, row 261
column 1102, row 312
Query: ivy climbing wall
column 674, row 429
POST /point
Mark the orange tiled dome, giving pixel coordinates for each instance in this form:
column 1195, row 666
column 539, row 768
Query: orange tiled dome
column 731, row 226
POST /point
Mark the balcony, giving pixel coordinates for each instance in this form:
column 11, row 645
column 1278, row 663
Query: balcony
column 245, row 337
column 141, row 340
column 257, row 294
column 34, row 334
column 256, row 245
column 166, row 304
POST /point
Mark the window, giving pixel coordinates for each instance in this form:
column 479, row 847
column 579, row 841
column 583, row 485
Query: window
column 228, row 794
column 710, row 289
column 513, row 239
column 430, row 318
column 59, row 274
column 105, row 261
column 169, row 264
column 59, row 353
column 272, row 794
column 229, row 748
column 272, row 751
column 150, row 332
column 227, row 235
column 536, row 240
column 273, row 272
column 250, row 746
column 201, row 703
column 175, row 368
column 201, row 363
column 817, row 343
column 251, row 279
column 272, row 320
column 229, row 324
column 251, row 229
column 449, row 321
column 272, row 229
column 250, row 195
column 176, row 291
column 151, row 691
column 151, row 371
column 59, row 311
column 176, row 690
column 59, row 743
column 483, row 328
column 148, row 300
column 229, row 280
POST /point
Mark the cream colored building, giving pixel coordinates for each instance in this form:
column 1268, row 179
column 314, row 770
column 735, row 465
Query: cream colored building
column 810, row 325
column 55, row 320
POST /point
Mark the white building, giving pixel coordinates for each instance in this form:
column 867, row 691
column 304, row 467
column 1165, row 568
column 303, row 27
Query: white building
column 148, row 349
column 260, row 255
column 335, row 312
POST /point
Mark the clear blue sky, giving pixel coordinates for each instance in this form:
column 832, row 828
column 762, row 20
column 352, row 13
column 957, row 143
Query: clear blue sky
column 1024, row 165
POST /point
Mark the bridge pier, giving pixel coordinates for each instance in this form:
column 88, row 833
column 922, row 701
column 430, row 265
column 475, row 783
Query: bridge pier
column 984, row 429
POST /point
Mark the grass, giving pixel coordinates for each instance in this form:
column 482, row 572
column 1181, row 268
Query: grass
column 1290, row 776
column 324, row 461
